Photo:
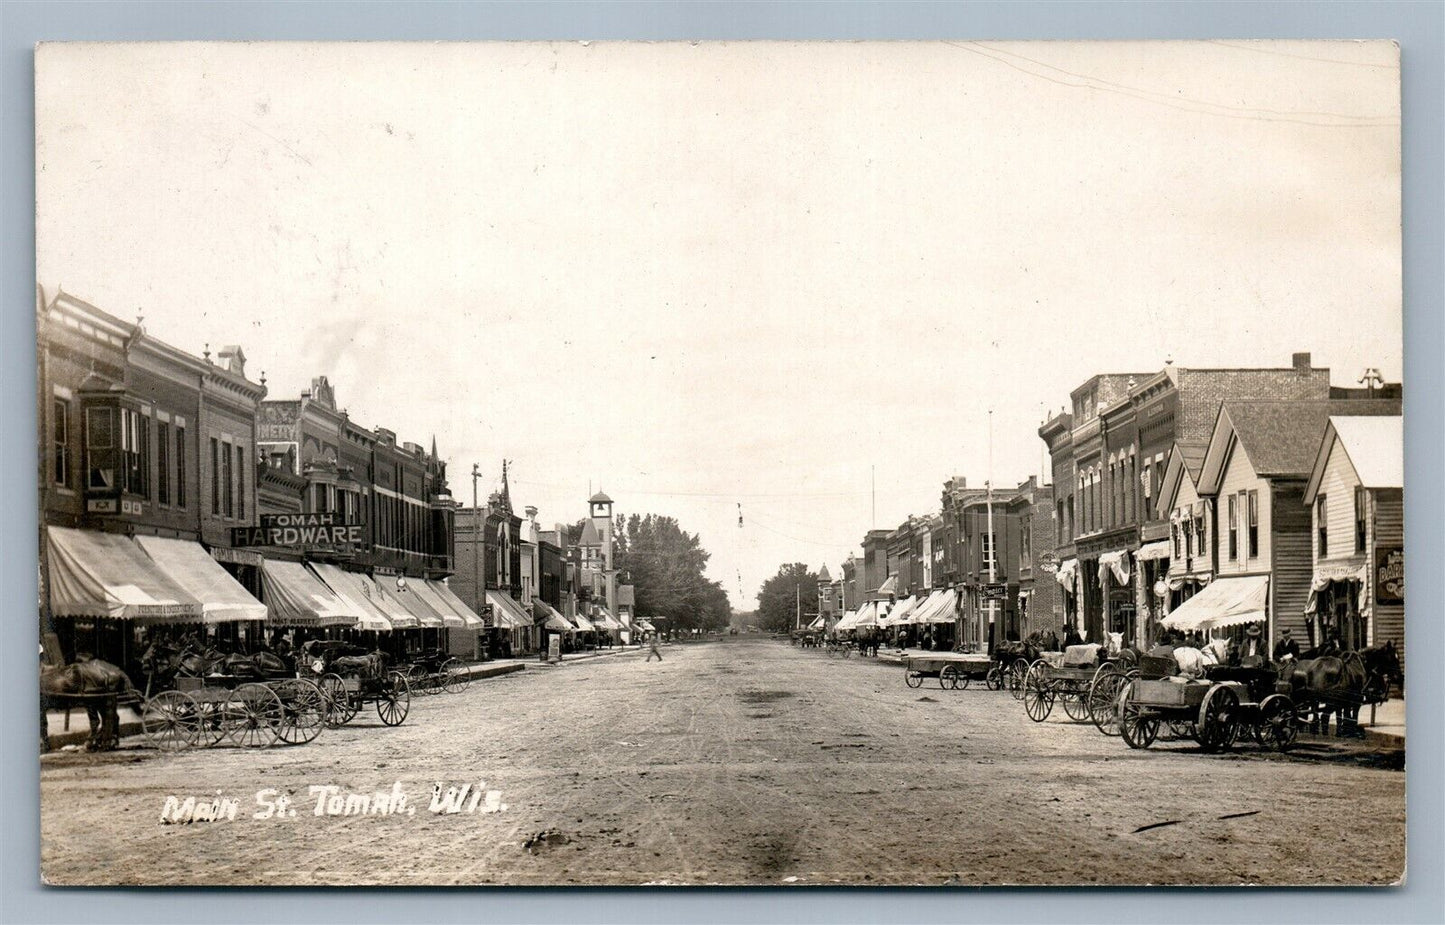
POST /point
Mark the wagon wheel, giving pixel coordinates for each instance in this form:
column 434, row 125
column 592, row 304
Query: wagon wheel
column 211, row 718
column 913, row 678
column 394, row 701
column 455, row 675
column 949, row 678
column 1016, row 673
column 418, row 679
column 1138, row 727
column 340, row 708
column 1218, row 723
column 305, row 710
column 994, row 680
column 1038, row 695
column 1277, row 728
column 170, row 721
column 1104, row 702
column 1076, row 704
column 254, row 716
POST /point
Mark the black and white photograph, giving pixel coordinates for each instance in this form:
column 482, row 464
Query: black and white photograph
column 757, row 463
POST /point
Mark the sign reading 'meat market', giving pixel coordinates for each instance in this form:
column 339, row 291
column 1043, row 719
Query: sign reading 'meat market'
column 297, row 530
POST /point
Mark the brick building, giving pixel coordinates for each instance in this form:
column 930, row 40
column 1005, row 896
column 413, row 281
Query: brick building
column 1113, row 445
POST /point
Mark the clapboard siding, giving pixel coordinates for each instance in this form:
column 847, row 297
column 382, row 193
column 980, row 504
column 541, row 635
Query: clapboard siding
column 1239, row 479
column 1387, row 526
column 1292, row 567
column 1338, row 487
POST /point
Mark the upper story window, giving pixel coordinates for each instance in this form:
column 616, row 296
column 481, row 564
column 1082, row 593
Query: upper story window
column 1233, row 528
column 116, row 443
column 1322, row 526
column 1360, row 529
column 60, row 441
column 1253, row 524
column 163, row 463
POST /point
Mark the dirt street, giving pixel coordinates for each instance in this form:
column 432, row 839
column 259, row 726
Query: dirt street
column 744, row 761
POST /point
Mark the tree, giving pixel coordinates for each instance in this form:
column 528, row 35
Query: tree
column 781, row 595
column 664, row 564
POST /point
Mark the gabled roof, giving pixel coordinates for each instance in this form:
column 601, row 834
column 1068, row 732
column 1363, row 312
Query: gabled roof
column 1185, row 461
column 1280, row 438
column 1375, row 447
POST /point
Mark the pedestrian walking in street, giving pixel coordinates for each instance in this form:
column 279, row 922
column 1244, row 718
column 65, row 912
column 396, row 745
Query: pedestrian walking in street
column 652, row 648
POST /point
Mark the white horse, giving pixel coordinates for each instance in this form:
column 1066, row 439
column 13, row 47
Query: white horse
column 1193, row 662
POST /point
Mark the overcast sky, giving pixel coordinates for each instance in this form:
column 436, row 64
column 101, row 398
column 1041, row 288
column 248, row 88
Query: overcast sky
column 700, row 276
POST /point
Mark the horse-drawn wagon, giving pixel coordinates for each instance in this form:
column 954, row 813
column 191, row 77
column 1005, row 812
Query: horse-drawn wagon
column 1082, row 678
column 1216, row 710
column 954, row 670
column 349, row 682
column 197, row 697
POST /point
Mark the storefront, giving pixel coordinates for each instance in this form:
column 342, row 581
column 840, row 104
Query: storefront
column 1224, row 604
column 106, row 595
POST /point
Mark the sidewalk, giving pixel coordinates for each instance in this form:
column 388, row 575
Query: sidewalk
column 130, row 725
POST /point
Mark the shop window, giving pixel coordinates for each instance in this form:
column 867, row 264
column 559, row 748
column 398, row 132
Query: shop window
column 60, row 438
column 1360, row 506
column 1322, row 529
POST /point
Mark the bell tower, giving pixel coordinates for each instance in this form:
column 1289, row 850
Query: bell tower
column 601, row 508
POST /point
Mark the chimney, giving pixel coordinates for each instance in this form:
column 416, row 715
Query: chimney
column 1301, row 362
column 232, row 359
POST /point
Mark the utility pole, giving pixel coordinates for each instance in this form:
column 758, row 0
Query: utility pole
column 873, row 494
column 992, row 540
column 798, row 604
column 476, row 542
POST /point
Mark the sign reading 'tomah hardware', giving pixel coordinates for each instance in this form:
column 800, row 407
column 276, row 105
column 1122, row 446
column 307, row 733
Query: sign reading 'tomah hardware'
column 297, row 530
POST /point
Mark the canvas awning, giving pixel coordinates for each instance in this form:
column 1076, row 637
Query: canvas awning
column 890, row 586
column 867, row 616
column 1326, row 573
column 550, row 618
column 402, row 604
column 605, row 621
column 458, row 606
column 222, row 597
column 449, row 617
column 846, row 621
column 1068, row 574
column 944, row 609
column 94, row 574
column 1224, row 602
column 1115, row 564
column 898, row 614
column 506, row 612
column 817, row 624
column 1149, row 552
column 584, row 625
column 296, row 597
column 358, row 592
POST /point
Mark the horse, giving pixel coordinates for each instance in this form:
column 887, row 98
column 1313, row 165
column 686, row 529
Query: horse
column 1341, row 684
column 99, row 685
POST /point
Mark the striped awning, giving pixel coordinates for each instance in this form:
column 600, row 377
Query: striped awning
column 360, row 595
column 424, row 590
column 96, row 574
column 296, row 597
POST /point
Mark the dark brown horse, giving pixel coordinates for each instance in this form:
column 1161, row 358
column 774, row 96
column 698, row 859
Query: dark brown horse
column 99, row 686
column 1341, row 684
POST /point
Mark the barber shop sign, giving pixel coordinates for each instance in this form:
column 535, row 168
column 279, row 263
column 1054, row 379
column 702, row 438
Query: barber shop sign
column 1390, row 575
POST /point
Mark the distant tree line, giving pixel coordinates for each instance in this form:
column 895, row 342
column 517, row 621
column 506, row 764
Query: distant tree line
column 783, row 596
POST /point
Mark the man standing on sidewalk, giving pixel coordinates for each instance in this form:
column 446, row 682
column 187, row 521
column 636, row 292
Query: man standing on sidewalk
column 652, row 648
